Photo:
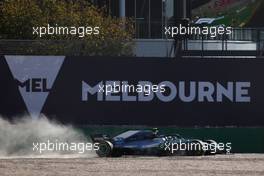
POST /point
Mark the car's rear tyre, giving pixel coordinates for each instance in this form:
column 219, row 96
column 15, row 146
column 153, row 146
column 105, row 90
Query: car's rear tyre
column 105, row 149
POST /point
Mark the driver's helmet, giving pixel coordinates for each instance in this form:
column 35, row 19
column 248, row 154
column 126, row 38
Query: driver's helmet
column 155, row 131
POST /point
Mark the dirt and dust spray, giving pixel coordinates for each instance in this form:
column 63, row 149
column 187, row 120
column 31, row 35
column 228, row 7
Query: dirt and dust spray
column 23, row 137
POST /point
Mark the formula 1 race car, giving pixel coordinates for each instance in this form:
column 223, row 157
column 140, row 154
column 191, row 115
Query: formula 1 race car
column 149, row 142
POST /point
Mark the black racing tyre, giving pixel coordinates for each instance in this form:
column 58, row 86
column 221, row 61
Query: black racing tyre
column 196, row 149
column 211, row 151
column 105, row 149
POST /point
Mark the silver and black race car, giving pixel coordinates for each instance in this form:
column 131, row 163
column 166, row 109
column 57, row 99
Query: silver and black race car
column 150, row 142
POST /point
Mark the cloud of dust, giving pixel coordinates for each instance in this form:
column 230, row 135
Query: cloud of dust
column 17, row 137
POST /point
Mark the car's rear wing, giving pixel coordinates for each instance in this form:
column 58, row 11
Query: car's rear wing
column 99, row 137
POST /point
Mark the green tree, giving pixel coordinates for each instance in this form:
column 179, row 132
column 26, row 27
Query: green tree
column 18, row 17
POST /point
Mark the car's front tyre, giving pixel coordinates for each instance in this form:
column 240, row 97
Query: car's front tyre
column 196, row 148
column 212, row 147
